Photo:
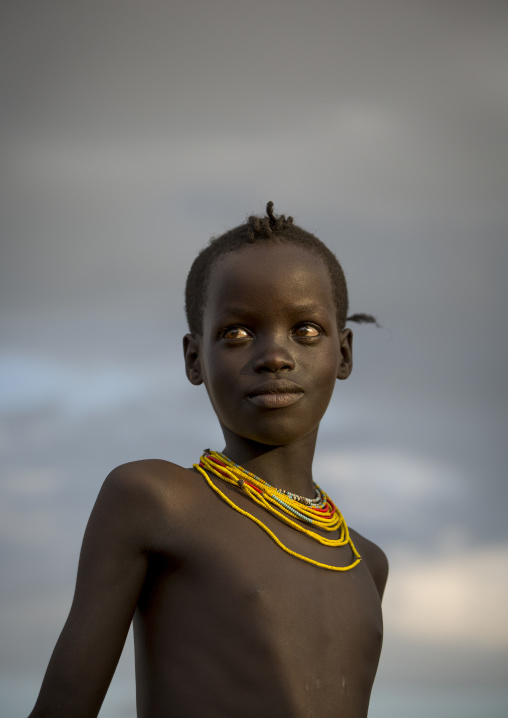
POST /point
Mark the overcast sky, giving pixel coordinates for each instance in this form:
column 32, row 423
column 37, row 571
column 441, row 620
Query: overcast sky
column 131, row 133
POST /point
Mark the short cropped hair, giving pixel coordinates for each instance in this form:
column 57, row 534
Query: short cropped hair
column 255, row 230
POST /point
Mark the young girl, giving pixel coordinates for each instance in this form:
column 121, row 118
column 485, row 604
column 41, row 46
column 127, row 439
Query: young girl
column 249, row 593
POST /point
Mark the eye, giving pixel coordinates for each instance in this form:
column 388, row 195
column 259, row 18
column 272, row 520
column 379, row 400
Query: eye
column 234, row 333
column 307, row 331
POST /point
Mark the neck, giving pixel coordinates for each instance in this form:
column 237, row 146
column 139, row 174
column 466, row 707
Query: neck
column 287, row 467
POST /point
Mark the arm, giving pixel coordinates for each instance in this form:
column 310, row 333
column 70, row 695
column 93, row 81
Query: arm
column 378, row 564
column 375, row 559
column 112, row 568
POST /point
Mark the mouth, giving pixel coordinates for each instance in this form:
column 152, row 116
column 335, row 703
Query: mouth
column 276, row 395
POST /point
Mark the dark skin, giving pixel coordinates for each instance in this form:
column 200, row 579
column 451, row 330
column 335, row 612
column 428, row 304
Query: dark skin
column 226, row 623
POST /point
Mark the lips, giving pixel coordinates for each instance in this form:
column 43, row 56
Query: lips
column 276, row 395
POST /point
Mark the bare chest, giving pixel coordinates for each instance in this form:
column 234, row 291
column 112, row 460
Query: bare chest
column 245, row 618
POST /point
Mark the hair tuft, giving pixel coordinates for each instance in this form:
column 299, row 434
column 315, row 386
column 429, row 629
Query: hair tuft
column 262, row 229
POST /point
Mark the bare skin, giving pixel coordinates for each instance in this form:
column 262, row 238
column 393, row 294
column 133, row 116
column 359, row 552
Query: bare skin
column 226, row 623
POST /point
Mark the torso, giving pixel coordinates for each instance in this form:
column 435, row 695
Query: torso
column 230, row 625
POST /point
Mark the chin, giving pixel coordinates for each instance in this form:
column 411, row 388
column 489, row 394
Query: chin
column 274, row 436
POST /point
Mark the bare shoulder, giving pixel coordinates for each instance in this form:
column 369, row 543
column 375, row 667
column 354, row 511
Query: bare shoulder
column 141, row 478
column 146, row 479
column 375, row 559
column 143, row 494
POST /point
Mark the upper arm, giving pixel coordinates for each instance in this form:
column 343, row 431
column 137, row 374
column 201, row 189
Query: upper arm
column 378, row 565
column 375, row 559
column 112, row 568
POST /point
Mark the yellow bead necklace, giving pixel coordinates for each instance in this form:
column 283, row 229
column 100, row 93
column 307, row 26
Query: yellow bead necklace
column 320, row 512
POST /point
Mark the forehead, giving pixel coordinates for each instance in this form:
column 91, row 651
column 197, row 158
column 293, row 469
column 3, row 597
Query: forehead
column 270, row 274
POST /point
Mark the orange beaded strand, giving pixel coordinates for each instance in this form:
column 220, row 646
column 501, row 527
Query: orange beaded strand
column 320, row 511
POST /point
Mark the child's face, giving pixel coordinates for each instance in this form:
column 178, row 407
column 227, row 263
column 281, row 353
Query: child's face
column 271, row 350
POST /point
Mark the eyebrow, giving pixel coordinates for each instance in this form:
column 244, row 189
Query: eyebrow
column 310, row 307
column 240, row 311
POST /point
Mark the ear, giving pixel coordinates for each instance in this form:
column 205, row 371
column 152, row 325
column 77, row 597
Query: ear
column 346, row 354
column 191, row 353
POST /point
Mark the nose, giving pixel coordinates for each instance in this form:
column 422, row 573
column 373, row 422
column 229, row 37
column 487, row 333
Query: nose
column 274, row 355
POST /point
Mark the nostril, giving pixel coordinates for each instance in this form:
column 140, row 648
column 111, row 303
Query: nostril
column 274, row 361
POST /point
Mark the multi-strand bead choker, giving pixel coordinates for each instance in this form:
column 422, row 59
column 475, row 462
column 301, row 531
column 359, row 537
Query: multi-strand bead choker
column 319, row 512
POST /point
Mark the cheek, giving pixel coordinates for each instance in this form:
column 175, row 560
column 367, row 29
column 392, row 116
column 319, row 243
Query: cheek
column 219, row 374
column 322, row 369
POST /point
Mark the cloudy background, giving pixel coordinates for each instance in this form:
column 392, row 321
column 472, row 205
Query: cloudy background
column 131, row 132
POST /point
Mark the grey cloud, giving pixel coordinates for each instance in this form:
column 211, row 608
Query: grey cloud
column 130, row 136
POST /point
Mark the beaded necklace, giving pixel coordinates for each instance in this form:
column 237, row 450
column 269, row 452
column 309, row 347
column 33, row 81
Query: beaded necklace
column 320, row 511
